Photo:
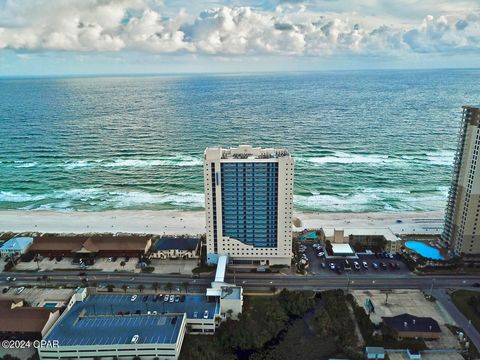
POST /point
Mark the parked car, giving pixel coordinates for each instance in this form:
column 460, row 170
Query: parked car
column 205, row 314
column 165, row 299
column 172, row 298
column 356, row 265
column 375, row 266
column 383, row 265
column 323, row 265
column 145, row 298
column 133, row 298
column 476, row 284
column 20, row 290
column 5, row 289
column 177, row 298
column 321, row 254
column 182, row 298
column 195, row 314
column 332, row 266
column 135, row 339
column 365, row 265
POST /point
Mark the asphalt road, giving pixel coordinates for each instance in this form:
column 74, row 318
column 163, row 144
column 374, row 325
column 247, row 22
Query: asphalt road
column 256, row 281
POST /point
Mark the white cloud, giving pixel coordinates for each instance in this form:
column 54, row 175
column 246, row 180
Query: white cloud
column 108, row 25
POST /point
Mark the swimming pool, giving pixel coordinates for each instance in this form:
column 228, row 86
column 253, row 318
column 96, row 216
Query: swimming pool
column 311, row 236
column 424, row 250
column 49, row 305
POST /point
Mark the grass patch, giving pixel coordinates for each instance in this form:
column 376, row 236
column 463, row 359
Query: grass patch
column 461, row 298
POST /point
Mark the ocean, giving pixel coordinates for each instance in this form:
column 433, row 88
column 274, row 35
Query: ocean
column 363, row 141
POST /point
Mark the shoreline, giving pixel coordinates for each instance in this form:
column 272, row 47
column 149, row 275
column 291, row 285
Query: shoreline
column 176, row 222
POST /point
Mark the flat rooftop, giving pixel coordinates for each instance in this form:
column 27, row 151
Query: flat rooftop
column 340, row 249
column 363, row 231
column 96, row 320
column 245, row 152
column 176, row 243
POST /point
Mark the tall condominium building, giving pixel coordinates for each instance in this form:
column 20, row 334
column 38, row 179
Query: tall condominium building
column 461, row 229
column 249, row 203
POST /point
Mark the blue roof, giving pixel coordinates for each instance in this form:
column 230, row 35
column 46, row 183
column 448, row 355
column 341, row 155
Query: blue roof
column 17, row 243
column 96, row 321
column 175, row 243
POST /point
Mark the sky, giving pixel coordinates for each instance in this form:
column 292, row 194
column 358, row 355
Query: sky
column 63, row 37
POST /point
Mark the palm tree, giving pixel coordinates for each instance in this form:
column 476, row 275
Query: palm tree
column 122, row 264
column 155, row 286
column 185, row 286
column 141, row 287
column 168, row 286
column 110, row 287
column 125, row 288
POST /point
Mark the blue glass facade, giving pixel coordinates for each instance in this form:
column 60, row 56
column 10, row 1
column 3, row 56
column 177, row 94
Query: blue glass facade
column 249, row 202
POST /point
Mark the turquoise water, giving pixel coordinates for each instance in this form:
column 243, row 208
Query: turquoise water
column 424, row 250
column 362, row 140
column 311, row 236
column 50, row 305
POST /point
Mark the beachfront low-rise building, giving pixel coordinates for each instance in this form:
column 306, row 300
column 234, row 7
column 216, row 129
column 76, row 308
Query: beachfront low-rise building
column 249, row 205
column 16, row 246
column 90, row 245
column 175, row 247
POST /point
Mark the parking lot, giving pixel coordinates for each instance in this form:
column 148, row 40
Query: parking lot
column 375, row 264
column 101, row 264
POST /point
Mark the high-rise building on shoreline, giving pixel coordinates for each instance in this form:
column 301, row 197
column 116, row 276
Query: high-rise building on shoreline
column 249, row 204
column 461, row 229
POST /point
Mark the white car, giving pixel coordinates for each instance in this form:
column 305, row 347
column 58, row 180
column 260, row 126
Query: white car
column 195, row 314
column 356, row 265
column 205, row 314
column 365, row 264
column 321, row 254
column 172, row 298
column 133, row 298
column 165, row 299
column 135, row 339
column 332, row 266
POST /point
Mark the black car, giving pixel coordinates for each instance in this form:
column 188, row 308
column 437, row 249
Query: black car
column 383, row 265
column 5, row 290
column 145, row 298
column 476, row 284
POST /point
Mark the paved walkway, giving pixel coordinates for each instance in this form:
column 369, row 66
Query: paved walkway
column 457, row 315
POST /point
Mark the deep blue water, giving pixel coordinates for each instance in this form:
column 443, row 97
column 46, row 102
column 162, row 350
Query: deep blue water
column 363, row 141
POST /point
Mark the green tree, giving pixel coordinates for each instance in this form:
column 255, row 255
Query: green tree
column 155, row 286
column 141, row 287
column 122, row 264
column 125, row 288
column 168, row 286
column 110, row 287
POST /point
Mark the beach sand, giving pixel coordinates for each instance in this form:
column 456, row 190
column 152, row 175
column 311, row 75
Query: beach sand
column 171, row 222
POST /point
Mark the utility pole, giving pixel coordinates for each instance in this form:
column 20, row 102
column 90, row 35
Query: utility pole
column 431, row 287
